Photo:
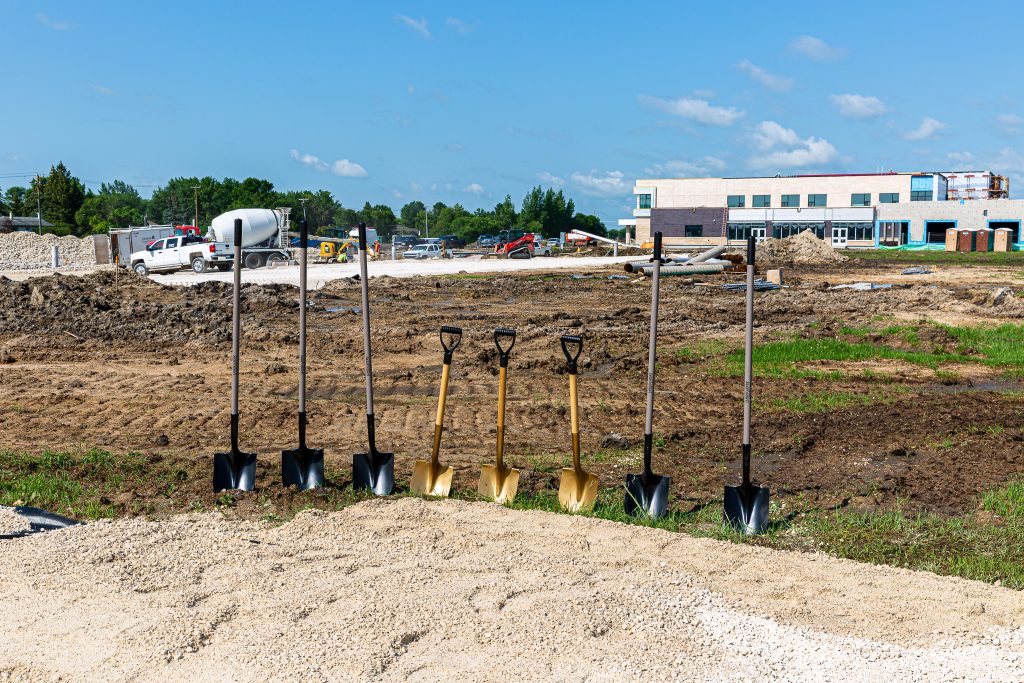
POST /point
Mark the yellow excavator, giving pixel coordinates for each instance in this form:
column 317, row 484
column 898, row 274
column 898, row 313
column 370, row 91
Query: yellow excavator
column 333, row 252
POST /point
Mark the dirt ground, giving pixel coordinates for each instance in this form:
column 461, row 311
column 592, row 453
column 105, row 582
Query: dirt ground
column 416, row 590
column 146, row 368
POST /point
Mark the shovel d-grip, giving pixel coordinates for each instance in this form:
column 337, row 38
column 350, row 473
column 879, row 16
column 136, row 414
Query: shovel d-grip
column 504, row 333
column 451, row 342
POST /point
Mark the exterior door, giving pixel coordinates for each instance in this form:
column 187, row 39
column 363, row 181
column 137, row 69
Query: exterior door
column 839, row 237
column 758, row 234
column 168, row 255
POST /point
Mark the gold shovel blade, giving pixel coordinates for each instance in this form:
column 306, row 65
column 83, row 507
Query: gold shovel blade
column 577, row 494
column 500, row 485
column 426, row 484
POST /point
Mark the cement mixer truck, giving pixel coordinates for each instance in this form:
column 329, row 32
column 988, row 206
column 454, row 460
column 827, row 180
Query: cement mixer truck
column 264, row 234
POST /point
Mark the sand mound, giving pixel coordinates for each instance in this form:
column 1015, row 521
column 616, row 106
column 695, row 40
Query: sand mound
column 29, row 251
column 436, row 591
column 803, row 249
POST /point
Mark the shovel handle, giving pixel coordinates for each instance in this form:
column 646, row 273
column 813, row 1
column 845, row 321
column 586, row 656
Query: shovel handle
column 574, row 414
column 504, row 333
column 439, row 420
column 502, row 376
column 449, row 344
column 570, row 357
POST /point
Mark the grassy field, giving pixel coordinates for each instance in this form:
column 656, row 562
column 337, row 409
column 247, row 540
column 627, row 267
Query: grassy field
column 952, row 258
column 988, row 546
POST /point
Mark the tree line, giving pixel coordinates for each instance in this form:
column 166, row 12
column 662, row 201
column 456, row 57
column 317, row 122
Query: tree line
column 73, row 209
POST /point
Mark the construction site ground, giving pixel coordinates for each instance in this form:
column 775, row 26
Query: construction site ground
column 885, row 406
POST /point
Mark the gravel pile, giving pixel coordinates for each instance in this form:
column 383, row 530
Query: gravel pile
column 11, row 522
column 804, row 249
column 396, row 590
column 29, row 251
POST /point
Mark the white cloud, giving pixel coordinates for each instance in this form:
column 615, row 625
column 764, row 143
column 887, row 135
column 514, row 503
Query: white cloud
column 704, row 93
column 816, row 49
column 769, row 135
column 551, row 179
column 1009, row 124
column 682, row 168
column 54, row 25
column 474, row 188
column 418, row 25
column 459, row 26
column 456, row 147
column 696, row 109
column 858, row 106
column 766, row 79
column 102, row 90
column 597, row 184
column 784, row 149
column 397, row 194
column 927, row 128
column 961, row 159
column 341, row 167
column 415, row 187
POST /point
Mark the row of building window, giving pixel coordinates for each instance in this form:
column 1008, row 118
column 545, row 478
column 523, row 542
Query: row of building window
column 764, row 201
column 742, row 231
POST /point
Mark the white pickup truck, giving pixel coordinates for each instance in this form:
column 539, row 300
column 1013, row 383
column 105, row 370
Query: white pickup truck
column 175, row 253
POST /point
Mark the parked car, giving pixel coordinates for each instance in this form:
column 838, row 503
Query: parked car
column 405, row 241
column 542, row 247
column 175, row 253
column 486, row 240
column 423, row 251
column 453, row 241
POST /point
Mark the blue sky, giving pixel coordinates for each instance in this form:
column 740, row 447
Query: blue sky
column 469, row 101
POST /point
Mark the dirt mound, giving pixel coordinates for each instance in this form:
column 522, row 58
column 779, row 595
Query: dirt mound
column 29, row 251
column 436, row 591
column 803, row 249
column 135, row 308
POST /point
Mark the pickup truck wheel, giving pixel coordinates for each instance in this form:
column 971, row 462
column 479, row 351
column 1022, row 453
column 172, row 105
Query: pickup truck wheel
column 199, row 264
column 253, row 260
column 141, row 269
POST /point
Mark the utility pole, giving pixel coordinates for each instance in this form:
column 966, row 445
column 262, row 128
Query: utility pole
column 39, row 204
column 195, row 188
column 426, row 217
column 303, row 201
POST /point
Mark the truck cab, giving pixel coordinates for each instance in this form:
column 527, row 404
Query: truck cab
column 174, row 253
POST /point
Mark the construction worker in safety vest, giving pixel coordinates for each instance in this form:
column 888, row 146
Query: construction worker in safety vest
column 376, row 250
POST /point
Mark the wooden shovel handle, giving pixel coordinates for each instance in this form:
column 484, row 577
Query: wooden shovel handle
column 575, row 420
column 439, row 421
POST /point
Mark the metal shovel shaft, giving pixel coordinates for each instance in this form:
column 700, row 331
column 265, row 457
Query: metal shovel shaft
column 652, row 353
column 303, row 243
column 748, row 362
column 236, row 330
column 365, row 293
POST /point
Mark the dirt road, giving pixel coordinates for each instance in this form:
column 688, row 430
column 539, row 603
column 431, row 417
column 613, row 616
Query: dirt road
column 410, row 590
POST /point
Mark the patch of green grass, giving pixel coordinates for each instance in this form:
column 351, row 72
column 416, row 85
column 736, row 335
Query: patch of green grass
column 1007, row 502
column 1001, row 345
column 922, row 257
column 702, row 349
column 825, row 401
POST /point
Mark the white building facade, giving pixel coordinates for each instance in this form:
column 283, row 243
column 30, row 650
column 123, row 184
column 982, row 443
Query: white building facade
column 850, row 210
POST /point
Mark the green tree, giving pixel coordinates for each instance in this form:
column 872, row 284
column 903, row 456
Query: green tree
column 16, row 201
column 589, row 223
column 379, row 216
column 505, row 215
column 118, row 205
column 411, row 213
column 62, row 195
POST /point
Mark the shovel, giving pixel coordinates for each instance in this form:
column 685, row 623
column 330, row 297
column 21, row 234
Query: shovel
column 235, row 470
column 302, row 467
column 746, row 505
column 647, row 493
column 429, row 478
column 374, row 470
column 577, row 489
column 498, row 482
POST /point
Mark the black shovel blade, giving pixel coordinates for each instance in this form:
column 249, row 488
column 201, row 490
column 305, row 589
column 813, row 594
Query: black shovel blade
column 234, row 470
column 647, row 495
column 746, row 508
column 303, row 468
column 374, row 471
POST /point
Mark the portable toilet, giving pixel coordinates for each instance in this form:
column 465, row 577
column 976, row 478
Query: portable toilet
column 965, row 240
column 1003, row 240
column 951, row 239
column 984, row 239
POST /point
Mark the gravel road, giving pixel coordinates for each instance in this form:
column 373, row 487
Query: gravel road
column 321, row 274
column 436, row 591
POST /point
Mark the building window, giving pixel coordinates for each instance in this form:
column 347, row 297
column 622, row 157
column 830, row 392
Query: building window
column 860, row 199
column 741, row 231
column 889, row 198
column 781, row 230
column 762, row 201
column 791, row 200
column 921, row 195
column 855, row 230
column 693, row 231
column 737, row 201
column 643, row 201
column 817, row 199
